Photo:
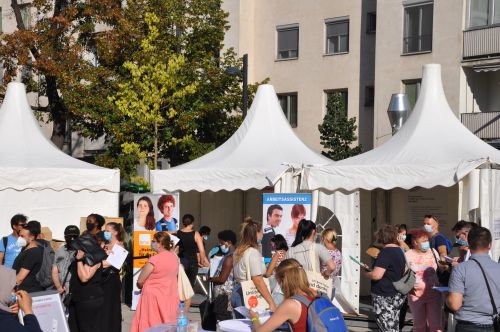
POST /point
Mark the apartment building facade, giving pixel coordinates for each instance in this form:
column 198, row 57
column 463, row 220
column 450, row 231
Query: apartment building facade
column 309, row 49
column 371, row 49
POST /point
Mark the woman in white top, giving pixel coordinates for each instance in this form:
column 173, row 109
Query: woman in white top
column 248, row 258
column 304, row 243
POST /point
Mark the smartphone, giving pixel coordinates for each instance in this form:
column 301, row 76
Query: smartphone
column 448, row 259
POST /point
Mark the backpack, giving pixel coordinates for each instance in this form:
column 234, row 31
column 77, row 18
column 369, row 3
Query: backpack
column 44, row 276
column 322, row 315
column 449, row 244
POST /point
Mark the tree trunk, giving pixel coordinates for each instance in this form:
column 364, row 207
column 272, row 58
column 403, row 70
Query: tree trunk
column 58, row 112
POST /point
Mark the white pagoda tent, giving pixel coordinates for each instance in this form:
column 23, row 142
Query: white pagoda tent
column 264, row 152
column 39, row 180
column 431, row 149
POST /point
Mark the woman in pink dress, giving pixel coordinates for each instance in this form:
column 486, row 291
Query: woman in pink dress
column 158, row 280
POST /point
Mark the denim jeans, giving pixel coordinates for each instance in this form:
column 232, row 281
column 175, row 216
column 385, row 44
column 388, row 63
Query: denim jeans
column 469, row 327
column 237, row 299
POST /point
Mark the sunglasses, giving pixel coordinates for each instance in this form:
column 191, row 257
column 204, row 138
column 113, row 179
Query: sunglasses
column 22, row 225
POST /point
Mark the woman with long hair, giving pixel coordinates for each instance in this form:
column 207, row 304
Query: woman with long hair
column 145, row 215
column 389, row 266
column 159, row 289
column 293, row 281
column 111, row 284
column 304, row 244
column 247, row 257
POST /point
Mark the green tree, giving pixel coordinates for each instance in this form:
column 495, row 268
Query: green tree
column 338, row 132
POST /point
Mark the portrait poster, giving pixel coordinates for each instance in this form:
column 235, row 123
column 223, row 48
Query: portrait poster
column 156, row 212
column 281, row 215
column 152, row 213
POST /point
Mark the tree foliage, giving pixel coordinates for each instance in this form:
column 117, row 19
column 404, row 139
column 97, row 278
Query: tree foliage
column 338, row 132
column 160, row 65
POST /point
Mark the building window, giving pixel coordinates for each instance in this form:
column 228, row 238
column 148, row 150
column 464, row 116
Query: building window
column 371, row 22
column 369, row 96
column 340, row 97
column 288, row 42
column 418, row 28
column 288, row 102
column 483, row 12
column 412, row 90
column 337, row 36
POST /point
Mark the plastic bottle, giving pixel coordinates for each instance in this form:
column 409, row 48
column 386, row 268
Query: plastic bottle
column 182, row 320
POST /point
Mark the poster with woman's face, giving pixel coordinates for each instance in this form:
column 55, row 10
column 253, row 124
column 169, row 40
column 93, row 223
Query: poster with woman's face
column 281, row 215
column 156, row 212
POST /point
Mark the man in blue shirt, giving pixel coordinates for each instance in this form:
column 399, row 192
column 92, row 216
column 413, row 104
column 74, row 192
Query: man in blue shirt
column 9, row 247
column 469, row 297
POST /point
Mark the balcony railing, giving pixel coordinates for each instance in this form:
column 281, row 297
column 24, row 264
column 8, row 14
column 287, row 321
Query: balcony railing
column 482, row 42
column 485, row 125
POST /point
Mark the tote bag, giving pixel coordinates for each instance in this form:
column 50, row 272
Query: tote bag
column 251, row 295
column 315, row 278
column 184, row 286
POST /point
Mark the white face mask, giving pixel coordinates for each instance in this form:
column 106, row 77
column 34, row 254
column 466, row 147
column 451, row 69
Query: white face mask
column 21, row 242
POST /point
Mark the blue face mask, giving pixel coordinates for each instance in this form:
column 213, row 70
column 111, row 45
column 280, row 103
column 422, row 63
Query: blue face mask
column 428, row 228
column 107, row 236
column 205, row 237
column 153, row 247
column 462, row 243
column 403, row 237
column 224, row 249
column 425, row 246
column 259, row 241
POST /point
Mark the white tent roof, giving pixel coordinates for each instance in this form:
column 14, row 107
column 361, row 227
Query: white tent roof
column 28, row 160
column 431, row 149
column 257, row 154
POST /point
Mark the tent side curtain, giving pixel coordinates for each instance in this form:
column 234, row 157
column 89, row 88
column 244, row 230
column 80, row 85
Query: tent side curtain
column 58, row 179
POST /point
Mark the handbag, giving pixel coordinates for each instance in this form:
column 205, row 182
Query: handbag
column 495, row 316
column 407, row 282
column 315, row 278
column 443, row 276
column 208, row 320
column 251, row 295
column 184, row 286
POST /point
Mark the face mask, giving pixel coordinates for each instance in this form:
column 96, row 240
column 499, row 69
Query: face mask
column 259, row 241
column 107, row 236
column 403, row 237
column 153, row 247
column 428, row 228
column 205, row 237
column 21, row 242
column 224, row 249
column 90, row 227
column 462, row 243
column 425, row 246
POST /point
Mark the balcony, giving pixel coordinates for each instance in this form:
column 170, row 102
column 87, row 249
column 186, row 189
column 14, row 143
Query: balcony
column 482, row 42
column 485, row 125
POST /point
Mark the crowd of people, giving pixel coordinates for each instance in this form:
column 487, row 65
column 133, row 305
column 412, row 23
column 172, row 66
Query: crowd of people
column 89, row 286
column 457, row 278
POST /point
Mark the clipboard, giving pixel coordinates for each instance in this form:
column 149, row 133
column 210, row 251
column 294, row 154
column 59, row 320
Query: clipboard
column 360, row 264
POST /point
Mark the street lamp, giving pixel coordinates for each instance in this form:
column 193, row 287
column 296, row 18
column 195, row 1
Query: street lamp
column 398, row 111
column 233, row 71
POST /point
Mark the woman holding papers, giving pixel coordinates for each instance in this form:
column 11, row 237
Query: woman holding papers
column 111, row 283
column 248, row 259
column 425, row 302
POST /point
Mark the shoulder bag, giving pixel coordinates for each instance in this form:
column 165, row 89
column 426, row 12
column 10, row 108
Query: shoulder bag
column 251, row 295
column 495, row 316
column 407, row 282
column 315, row 278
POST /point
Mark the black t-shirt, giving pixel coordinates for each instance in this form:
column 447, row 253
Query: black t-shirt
column 391, row 259
column 29, row 259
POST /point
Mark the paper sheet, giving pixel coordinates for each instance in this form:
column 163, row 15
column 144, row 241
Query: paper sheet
column 174, row 239
column 117, row 256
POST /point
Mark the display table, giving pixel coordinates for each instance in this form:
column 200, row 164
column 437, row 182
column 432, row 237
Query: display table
column 235, row 325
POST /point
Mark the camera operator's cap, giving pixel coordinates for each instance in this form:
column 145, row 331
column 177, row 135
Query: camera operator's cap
column 71, row 230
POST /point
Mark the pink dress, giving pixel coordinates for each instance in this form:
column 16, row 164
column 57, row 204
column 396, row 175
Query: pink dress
column 159, row 296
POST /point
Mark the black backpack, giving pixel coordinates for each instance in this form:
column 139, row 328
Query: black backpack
column 44, row 276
